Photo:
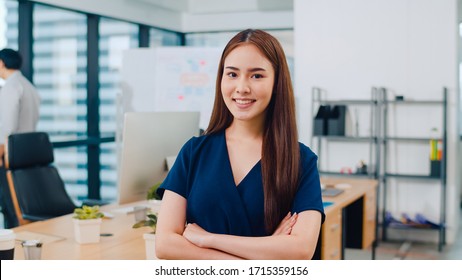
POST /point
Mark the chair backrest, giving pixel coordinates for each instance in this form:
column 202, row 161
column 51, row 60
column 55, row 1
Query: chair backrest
column 37, row 190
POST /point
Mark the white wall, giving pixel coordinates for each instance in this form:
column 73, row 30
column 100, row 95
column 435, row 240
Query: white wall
column 407, row 46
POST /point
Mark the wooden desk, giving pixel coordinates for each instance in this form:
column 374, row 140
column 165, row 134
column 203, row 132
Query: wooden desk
column 125, row 243
column 351, row 220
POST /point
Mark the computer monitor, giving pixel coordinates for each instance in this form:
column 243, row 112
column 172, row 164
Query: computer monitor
column 148, row 139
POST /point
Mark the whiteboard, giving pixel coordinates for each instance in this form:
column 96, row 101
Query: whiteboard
column 170, row 79
column 166, row 79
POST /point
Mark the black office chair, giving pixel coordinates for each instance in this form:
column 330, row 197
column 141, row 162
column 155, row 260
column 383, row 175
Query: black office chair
column 37, row 190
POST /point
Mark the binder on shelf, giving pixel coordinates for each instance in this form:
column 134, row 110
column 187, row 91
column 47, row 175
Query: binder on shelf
column 320, row 120
column 436, row 154
column 435, row 168
column 336, row 123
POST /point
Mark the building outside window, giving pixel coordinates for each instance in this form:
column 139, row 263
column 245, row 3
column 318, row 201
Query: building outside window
column 8, row 26
column 159, row 38
column 59, row 64
column 115, row 37
column 60, row 75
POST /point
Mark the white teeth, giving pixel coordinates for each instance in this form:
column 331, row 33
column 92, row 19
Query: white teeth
column 243, row 102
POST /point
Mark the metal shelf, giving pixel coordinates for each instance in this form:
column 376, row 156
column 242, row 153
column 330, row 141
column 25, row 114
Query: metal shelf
column 346, row 138
column 409, row 227
column 347, row 102
column 412, row 176
column 370, row 140
column 421, row 140
column 415, row 102
column 378, row 142
column 409, row 139
column 340, row 174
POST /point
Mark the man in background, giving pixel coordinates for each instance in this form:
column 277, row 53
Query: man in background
column 19, row 112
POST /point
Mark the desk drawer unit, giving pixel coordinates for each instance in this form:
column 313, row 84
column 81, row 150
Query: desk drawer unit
column 332, row 237
column 369, row 218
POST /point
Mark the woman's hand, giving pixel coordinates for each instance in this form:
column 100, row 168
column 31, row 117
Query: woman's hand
column 286, row 225
column 196, row 235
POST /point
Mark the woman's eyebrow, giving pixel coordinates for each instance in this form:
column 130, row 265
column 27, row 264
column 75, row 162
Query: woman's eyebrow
column 256, row 69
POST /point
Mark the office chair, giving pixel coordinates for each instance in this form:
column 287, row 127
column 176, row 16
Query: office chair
column 37, row 190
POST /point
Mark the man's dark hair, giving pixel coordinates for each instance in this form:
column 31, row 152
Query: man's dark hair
column 11, row 58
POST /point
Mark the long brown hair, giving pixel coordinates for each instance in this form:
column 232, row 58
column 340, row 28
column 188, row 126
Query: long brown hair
column 280, row 152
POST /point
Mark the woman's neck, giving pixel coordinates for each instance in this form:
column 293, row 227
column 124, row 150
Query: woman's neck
column 245, row 130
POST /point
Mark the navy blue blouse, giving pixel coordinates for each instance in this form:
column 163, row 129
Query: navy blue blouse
column 202, row 174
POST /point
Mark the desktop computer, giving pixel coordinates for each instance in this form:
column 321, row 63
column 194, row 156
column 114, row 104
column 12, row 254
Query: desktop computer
column 150, row 141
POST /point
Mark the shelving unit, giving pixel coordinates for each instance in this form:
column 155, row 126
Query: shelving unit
column 318, row 99
column 386, row 140
column 371, row 140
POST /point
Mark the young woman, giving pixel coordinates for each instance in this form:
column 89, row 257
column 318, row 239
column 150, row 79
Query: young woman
column 246, row 189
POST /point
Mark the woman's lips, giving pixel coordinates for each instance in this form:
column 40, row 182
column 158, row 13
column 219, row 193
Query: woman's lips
column 244, row 103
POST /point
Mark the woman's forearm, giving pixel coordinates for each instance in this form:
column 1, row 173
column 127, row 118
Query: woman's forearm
column 170, row 244
column 268, row 247
column 174, row 246
column 300, row 244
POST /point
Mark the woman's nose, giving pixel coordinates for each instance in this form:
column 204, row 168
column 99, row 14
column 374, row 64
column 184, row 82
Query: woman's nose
column 242, row 86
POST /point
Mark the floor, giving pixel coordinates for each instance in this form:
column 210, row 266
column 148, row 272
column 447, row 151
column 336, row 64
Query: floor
column 411, row 250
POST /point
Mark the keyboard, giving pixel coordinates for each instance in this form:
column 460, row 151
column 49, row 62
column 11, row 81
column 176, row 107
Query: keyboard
column 331, row 192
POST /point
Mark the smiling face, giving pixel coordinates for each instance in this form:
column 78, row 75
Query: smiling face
column 247, row 84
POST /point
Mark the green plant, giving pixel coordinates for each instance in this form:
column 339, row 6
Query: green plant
column 151, row 221
column 87, row 213
column 152, row 192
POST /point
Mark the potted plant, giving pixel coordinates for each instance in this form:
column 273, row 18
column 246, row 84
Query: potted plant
column 149, row 238
column 87, row 224
column 152, row 192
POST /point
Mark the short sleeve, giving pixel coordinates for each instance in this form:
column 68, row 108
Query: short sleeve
column 177, row 178
column 308, row 196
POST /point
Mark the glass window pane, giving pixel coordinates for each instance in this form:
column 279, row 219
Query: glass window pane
column 115, row 37
column 215, row 39
column 8, row 24
column 108, row 171
column 59, row 62
column 159, row 38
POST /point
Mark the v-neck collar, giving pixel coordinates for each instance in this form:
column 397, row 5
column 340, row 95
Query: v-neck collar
column 230, row 169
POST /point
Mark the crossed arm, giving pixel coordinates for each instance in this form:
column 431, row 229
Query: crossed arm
column 295, row 238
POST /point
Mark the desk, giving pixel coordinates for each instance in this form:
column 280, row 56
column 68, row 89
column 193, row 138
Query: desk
column 126, row 243
column 351, row 220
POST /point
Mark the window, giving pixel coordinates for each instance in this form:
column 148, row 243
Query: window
column 216, row 39
column 159, row 38
column 59, row 64
column 8, row 24
column 115, row 37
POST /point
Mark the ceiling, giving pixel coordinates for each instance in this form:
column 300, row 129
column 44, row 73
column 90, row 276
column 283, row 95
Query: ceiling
column 218, row 7
column 189, row 16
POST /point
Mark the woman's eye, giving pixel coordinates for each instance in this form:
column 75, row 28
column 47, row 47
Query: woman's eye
column 257, row 76
column 231, row 74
